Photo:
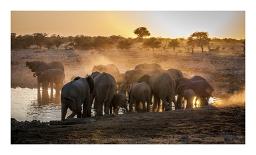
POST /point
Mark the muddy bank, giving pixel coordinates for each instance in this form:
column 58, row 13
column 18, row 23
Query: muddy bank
column 208, row 125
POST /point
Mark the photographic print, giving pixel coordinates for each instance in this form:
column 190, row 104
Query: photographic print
column 127, row 77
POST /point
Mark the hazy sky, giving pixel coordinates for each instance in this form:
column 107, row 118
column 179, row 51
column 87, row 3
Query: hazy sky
column 159, row 23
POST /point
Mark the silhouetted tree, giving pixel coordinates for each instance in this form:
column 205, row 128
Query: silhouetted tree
column 191, row 43
column 201, row 38
column 39, row 39
column 141, row 32
column 174, row 43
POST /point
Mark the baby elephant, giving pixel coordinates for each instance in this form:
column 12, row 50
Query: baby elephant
column 190, row 96
column 119, row 101
column 140, row 92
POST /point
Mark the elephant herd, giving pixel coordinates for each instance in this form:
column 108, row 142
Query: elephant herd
column 146, row 88
column 141, row 89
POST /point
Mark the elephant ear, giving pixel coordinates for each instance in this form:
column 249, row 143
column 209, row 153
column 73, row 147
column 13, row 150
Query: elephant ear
column 90, row 82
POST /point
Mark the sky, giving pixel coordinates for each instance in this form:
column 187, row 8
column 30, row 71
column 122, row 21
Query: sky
column 172, row 24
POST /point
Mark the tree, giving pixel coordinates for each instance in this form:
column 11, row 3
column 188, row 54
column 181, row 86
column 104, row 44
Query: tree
column 141, row 32
column 39, row 39
column 174, row 43
column 152, row 43
column 201, row 39
column 191, row 43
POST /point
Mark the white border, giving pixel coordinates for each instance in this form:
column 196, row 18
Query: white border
column 211, row 5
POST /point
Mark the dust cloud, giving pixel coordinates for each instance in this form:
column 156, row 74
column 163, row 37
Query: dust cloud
column 236, row 99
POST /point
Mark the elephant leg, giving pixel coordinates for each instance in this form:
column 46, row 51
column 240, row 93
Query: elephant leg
column 87, row 106
column 72, row 115
column 137, row 106
column 107, row 107
column 167, row 104
column 64, row 109
column 148, row 105
column 178, row 103
column 159, row 105
column 99, row 106
column 189, row 103
column 155, row 104
column 111, row 110
column 131, row 105
column 206, row 99
column 79, row 114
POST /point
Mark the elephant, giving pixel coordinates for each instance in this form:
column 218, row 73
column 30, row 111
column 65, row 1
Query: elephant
column 190, row 96
column 199, row 85
column 74, row 94
column 163, row 88
column 110, row 69
column 37, row 67
column 175, row 74
column 119, row 101
column 140, row 92
column 104, row 90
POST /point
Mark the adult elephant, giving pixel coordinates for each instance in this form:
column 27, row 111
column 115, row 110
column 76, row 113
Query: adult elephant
column 163, row 88
column 104, row 90
column 140, row 93
column 74, row 94
column 38, row 67
column 199, row 85
column 110, row 69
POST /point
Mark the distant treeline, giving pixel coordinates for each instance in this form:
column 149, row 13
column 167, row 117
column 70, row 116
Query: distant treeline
column 82, row 42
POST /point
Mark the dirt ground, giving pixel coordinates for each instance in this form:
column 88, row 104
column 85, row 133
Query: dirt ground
column 209, row 125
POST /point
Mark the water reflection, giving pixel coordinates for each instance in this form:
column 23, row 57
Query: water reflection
column 28, row 105
column 48, row 96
